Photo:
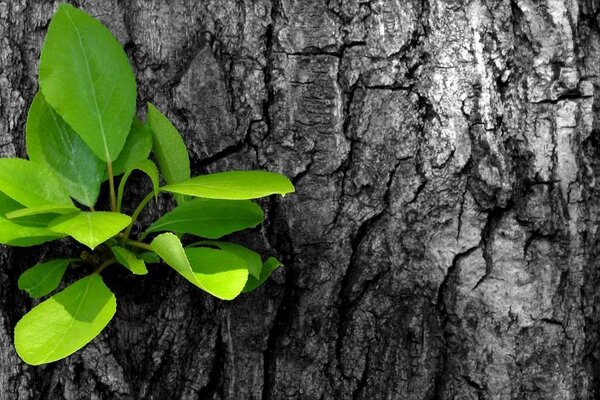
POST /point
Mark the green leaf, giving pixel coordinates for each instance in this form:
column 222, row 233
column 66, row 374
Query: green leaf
column 31, row 232
column 86, row 77
column 91, row 228
column 210, row 218
column 220, row 273
column 150, row 257
column 252, row 258
column 43, row 278
column 31, row 184
column 67, row 321
column 267, row 269
column 233, row 185
column 169, row 149
column 49, row 209
column 129, row 260
column 215, row 271
column 18, row 235
column 51, row 142
column 137, row 147
column 146, row 166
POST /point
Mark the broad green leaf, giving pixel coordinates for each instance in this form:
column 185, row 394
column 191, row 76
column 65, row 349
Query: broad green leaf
column 129, row 260
column 43, row 278
column 67, row 321
column 169, row 149
column 28, row 231
column 86, row 77
column 91, row 228
column 49, row 209
column 137, row 147
column 210, row 218
column 31, row 184
column 252, row 258
column 52, row 143
column 217, row 272
column 147, row 167
column 267, row 269
column 233, row 185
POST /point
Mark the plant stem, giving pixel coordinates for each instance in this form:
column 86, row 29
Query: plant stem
column 141, row 245
column 111, row 183
column 135, row 215
column 104, row 265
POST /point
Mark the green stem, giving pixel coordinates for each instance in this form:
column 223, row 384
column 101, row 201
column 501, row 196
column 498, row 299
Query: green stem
column 104, row 265
column 141, row 245
column 111, row 183
column 135, row 215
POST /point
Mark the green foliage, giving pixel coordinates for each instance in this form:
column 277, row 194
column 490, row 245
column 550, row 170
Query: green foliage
column 233, row 185
column 129, row 260
column 137, row 147
column 86, row 77
column 91, row 228
column 51, row 142
column 30, row 184
column 81, row 131
column 43, row 278
column 147, row 167
column 169, row 149
column 268, row 267
column 64, row 323
column 252, row 258
column 210, row 218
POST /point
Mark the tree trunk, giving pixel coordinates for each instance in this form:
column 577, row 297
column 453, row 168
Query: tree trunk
column 442, row 243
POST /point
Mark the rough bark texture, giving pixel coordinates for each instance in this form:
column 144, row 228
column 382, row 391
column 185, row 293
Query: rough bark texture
column 443, row 240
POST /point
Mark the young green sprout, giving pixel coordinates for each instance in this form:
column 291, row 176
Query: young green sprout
column 82, row 131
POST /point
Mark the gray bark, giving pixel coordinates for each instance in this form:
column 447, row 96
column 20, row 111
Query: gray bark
column 442, row 243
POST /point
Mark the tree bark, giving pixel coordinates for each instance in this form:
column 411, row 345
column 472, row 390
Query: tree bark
column 443, row 241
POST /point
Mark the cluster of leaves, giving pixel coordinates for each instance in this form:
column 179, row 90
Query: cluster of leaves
column 82, row 131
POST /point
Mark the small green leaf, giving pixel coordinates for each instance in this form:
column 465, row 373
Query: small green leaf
column 51, row 142
column 168, row 148
column 267, row 269
column 215, row 271
column 169, row 248
column 67, row 321
column 43, row 278
column 137, row 147
column 31, row 184
column 220, row 273
column 233, row 185
column 91, row 228
column 129, row 260
column 147, row 167
column 252, row 258
column 48, row 209
column 210, row 218
column 86, row 77
column 150, row 257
